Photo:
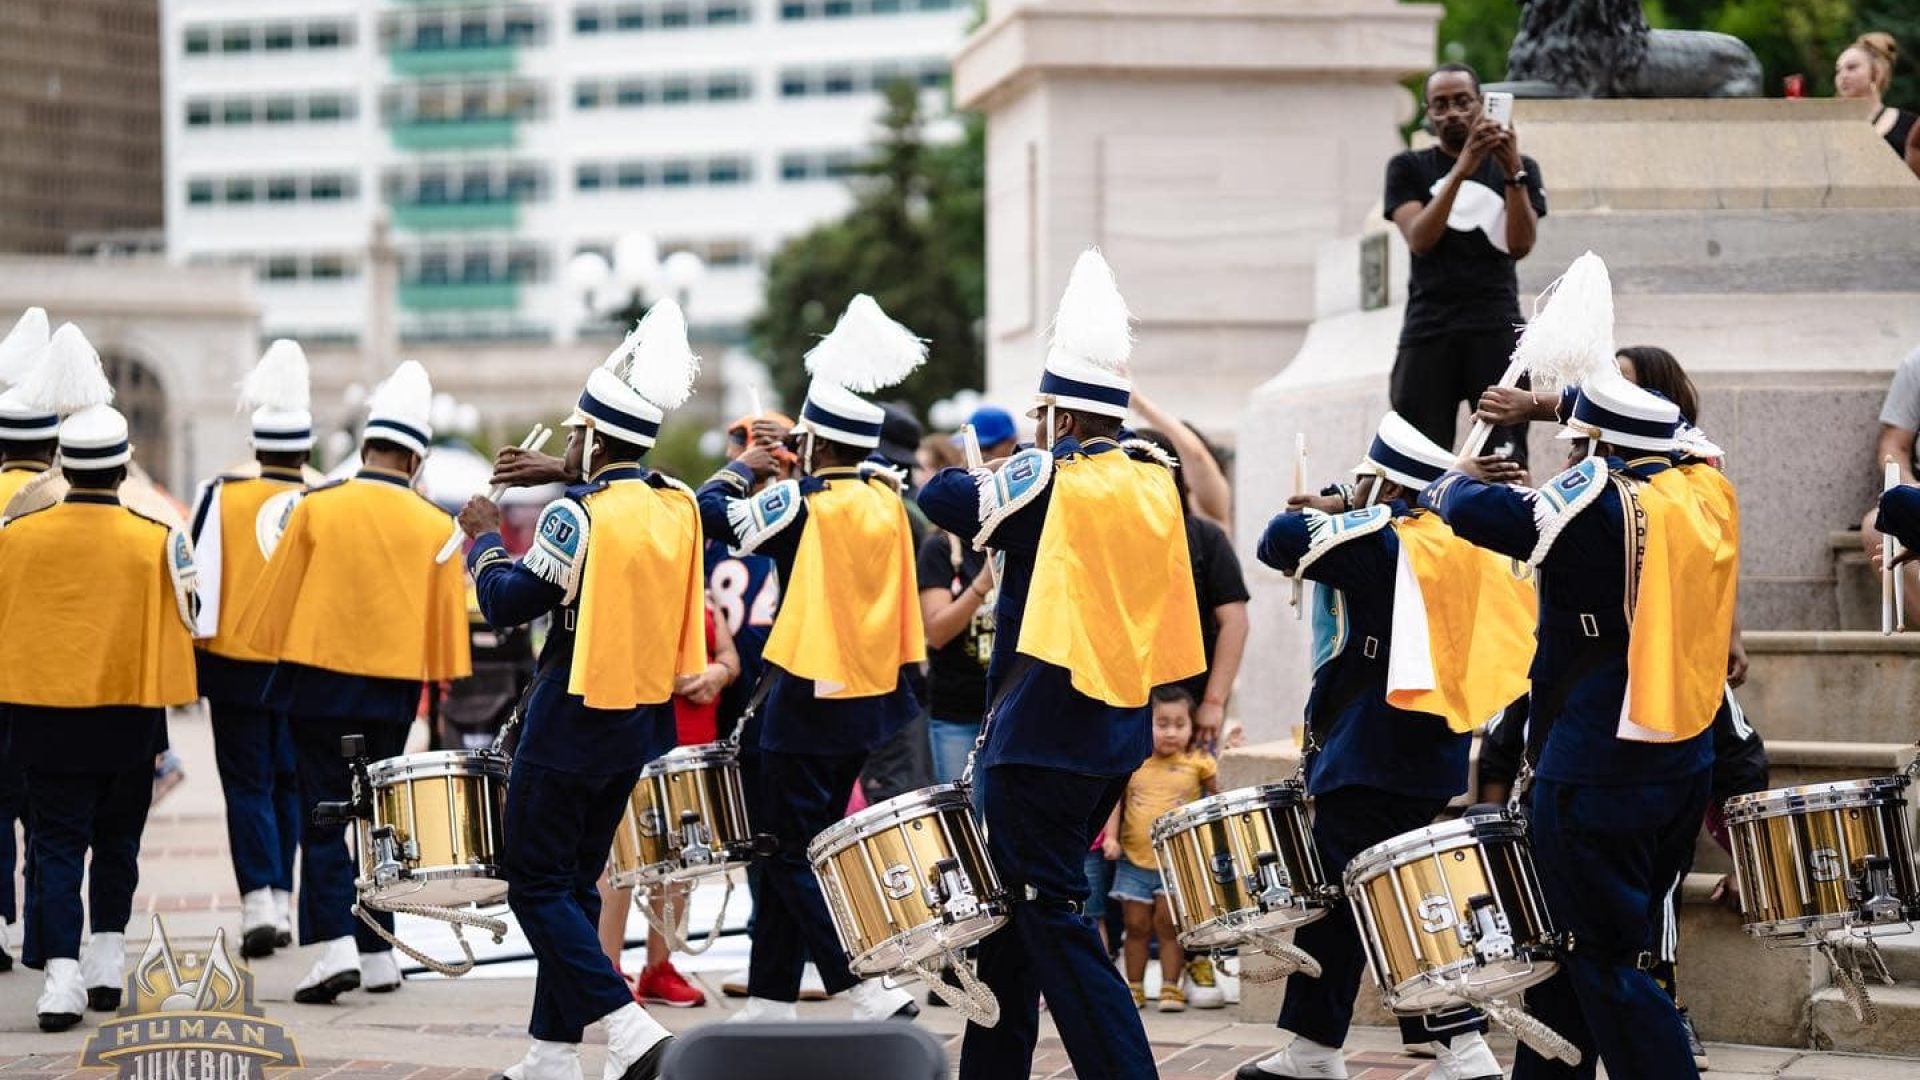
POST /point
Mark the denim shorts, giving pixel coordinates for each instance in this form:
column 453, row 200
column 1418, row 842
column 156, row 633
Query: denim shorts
column 1099, row 880
column 1135, row 884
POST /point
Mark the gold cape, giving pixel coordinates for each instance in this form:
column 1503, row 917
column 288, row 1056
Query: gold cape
column 88, row 602
column 1463, row 626
column 642, row 597
column 1112, row 598
column 241, row 561
column 851, row 616
column 1683, row 611
column 352, row 587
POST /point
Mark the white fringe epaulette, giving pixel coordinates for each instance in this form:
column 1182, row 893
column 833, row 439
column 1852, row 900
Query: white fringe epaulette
column 762, row 517
column 1558, row 501
column 668, row 481
column 873, row 470
column 1151, row 451
column 559, row 546
column 1007, row 490
column 1328, row 531
column 1693, row 442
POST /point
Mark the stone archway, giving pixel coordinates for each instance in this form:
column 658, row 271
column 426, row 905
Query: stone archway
column 142, row 398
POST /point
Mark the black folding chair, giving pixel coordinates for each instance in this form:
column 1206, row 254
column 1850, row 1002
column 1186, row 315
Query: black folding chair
column 883, row 1051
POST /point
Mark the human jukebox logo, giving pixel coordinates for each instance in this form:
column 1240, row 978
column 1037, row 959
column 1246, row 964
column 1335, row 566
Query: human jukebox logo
column 189, row 1016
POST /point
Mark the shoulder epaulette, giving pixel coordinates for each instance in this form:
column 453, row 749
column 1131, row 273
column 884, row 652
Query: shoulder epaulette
column 560, row 544
column 1561, row 499
column 1143, row 450
column 762, row 517
column 181, row 570
column 658, row 479
column 1328, row 531
column 875, row 471
column 327, row 485
column 1008, row 489
column 270, row 523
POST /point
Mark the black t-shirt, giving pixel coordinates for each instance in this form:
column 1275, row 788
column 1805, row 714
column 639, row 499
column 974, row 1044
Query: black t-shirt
column 1902, row 129
column 957, row 671
column 1465, row 282
column 1216, row 580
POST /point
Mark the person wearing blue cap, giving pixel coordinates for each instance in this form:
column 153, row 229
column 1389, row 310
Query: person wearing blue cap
column 1377, row 768
column 994, row 429
column 1637, row 553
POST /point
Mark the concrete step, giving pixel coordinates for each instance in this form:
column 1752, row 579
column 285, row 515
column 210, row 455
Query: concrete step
column 1795, row 762
column 1832, row 686
column 1896, row 1030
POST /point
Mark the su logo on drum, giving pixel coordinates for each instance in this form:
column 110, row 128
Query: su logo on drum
column 189, row 1015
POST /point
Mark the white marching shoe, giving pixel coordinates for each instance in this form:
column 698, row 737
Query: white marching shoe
column 1302, row 1059
column 282, row 918
column 103, row 967
column 379, row 972
column 63, row 999
column 874, row 1000
column 336, row 972
column 1467, row 1057
column 545, row 1061
column 259, row 932
column 765, row 1009
column 636, row 1044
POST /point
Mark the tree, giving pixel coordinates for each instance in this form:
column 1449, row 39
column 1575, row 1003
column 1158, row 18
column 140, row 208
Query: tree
column 914, row 240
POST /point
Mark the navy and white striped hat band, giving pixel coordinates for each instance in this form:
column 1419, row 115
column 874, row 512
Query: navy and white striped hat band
column 393, row 431
column 832, row 425
column 97, row 457
column 1613, row 426
column 1073, row 393
column 618, row 423
column 38, row 427
column 1402, row 469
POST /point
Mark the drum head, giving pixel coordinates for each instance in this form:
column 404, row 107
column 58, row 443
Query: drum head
column 684, row 758
column 437, row 763
column 1225, row 805
column 1838, row 794
column 447, row 887
column 884, row 815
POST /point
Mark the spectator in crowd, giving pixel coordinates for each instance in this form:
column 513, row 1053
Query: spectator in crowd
column 1178, row 773
column 1209, row 494
column 1899, row 421
column 939, row 451
column 1862, row 73
column 1468, row 208
column 956, row 599
column 1222, row 593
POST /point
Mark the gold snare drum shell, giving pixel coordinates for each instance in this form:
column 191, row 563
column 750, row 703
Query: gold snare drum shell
column 445, row 809
column 1796, row 851
column 1223, row 837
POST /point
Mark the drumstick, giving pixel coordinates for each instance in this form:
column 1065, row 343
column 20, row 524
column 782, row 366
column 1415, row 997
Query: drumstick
column 1481, row 429
column 1893, row 614
column 1299, row 488
column 535, row 440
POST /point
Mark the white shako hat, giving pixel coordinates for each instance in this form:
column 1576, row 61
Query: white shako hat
column 19, row 351
column 1086, row 368
column 652, row 371
column 1403, row 455
column 277, row 390
column 400, row 410
column 69, row 381
column 1613, row 410
column 867, row 351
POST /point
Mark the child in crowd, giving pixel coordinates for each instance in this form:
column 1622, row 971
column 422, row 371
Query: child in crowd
column 1174, row 776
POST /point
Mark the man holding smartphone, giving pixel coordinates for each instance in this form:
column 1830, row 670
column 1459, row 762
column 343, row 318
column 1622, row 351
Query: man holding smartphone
column 1468, row 208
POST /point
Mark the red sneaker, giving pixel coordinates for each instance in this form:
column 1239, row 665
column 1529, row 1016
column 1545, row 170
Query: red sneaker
column 663, row 985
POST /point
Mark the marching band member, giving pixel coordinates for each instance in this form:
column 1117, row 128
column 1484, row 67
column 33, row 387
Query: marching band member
column 1389, row 757
column 252, row 746
column 1638, row 559
column 106, row 597
column 356, row 613
column 849, row 622
column 1096, row 609
column 618, row 562
column 28, row 439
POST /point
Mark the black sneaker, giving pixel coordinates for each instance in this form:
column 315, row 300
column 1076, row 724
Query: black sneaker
column 1693, row 1042
column 6, row 958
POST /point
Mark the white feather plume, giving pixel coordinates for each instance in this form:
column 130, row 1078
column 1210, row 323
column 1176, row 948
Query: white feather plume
column 68, row 377
column 621, row 358
column 406, row 394
column 867, row 350
column 664, row 365
column 1093, row 322
column 22, row 345
column 279, row 381
column 1571, row 336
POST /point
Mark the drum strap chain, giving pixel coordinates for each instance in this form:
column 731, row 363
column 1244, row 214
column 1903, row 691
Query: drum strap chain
column 455, row 916
column 761, row 690
column 1016, row 674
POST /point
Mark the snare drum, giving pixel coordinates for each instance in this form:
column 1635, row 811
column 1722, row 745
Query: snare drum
column 1238, row 863
column 907, row 880
column 686, row 818
column 435, row 834
column 1452, row 906
column 1824, row 857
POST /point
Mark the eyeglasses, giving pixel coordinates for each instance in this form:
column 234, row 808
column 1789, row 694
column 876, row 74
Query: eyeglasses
column 1458, row 103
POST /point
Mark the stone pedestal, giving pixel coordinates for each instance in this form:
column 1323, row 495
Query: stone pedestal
column 1768, row 244
column 1207, row 146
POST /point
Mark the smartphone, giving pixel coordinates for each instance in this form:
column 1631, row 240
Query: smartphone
column 1499, row 108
